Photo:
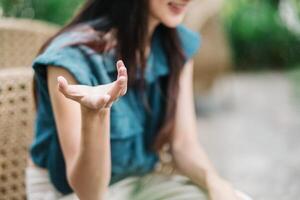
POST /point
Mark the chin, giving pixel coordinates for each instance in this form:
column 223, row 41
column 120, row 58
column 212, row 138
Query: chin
column 172, row 22
column 169, row 12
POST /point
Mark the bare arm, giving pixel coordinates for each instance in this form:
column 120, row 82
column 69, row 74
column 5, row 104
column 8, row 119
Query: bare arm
column 189, row 156
column 82, row 119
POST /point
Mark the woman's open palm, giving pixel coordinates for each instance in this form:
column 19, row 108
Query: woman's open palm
column 97, row 97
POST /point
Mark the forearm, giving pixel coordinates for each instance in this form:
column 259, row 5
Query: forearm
column 90, row 175
column 193, row 162
column 188, row 155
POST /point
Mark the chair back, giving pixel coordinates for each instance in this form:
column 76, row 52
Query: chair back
column 20, row 41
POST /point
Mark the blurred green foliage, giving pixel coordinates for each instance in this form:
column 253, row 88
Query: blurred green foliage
column 296, row 3
column 258, row 36
column 55, row 11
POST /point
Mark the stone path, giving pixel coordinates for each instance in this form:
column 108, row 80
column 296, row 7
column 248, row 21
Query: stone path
column 250, row 127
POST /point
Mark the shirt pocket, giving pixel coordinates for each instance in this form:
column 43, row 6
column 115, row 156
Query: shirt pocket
column 125, row 134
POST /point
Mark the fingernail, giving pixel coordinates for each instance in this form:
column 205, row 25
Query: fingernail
column 61, row 80
column 120, row 63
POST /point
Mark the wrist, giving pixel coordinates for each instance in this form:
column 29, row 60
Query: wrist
column 85, row 111
column 212, row 179
column 215, row 181
column 104, row 111
column 204, row 179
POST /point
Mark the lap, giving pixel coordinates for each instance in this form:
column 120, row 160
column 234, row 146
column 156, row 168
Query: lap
column 153, row 186
column 156, row 186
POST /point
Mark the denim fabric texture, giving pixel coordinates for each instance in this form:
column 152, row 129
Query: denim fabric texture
column 133, row 128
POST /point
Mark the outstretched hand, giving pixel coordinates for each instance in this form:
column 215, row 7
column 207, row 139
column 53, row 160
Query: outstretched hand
column 97, row 97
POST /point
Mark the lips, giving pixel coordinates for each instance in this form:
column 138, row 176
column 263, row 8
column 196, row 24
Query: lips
column 177, row 7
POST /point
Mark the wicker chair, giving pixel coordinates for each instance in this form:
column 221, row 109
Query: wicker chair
column 16, row 119
column 20, row 41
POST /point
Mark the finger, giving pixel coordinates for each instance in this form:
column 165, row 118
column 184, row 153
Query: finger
column 122, row 71
column 125, row 84
column 123, row 92
column 62, row 83
column 120, row 63
column 67, row 90
column 118, row 87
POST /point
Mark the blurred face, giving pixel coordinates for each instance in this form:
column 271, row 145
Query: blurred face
column 168, row 12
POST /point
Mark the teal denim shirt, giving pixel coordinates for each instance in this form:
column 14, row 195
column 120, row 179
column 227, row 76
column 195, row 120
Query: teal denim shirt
column 133, row 129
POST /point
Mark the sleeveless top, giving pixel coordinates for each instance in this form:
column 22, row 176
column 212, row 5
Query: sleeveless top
column 133, row 129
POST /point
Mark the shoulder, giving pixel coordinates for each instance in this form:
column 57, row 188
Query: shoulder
column 190, row 40
column 66, row 51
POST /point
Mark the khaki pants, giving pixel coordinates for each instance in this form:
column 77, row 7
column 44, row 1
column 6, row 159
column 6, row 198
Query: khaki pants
column 153, row 186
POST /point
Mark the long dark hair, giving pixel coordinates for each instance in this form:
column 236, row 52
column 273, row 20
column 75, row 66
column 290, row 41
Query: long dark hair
column 130, row 19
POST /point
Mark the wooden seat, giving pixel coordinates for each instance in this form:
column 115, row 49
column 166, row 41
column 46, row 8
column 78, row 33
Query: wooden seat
column 20, row 42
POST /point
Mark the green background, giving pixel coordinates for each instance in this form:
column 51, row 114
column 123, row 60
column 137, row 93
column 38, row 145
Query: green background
column 258, row 37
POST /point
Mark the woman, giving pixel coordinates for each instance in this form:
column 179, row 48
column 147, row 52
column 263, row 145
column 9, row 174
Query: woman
column 100, row 125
